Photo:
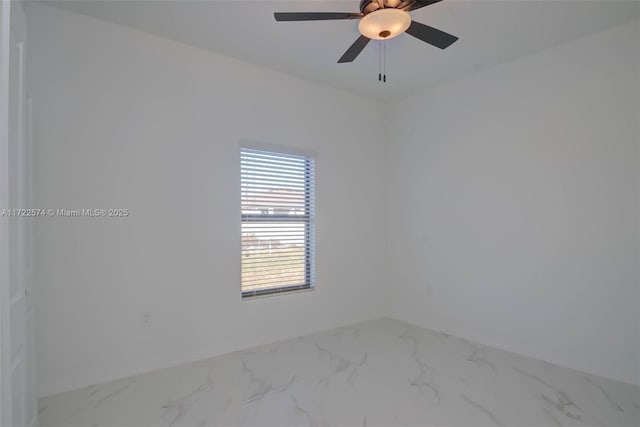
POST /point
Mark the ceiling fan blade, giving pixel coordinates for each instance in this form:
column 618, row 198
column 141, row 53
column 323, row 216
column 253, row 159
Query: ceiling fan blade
column 409, row 5
column 314, row 16
column 431, row 35
column 354, row 50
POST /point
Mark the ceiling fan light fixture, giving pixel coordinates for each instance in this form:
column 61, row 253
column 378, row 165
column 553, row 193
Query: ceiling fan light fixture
column 384, row 24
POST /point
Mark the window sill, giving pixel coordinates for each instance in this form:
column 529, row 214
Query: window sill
column 275, row 294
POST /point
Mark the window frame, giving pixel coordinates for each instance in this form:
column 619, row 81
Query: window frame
column 307, row 219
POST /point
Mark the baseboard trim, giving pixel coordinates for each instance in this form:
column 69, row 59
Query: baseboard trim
column 555, row 358
column 57, row 387
column 82, row 381
column 79, row 382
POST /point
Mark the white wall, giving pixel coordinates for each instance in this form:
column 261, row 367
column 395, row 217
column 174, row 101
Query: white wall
column 128, row 120
column 512, row 211
column 513, row 206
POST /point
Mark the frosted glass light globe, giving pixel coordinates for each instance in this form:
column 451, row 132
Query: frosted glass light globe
column 384, row 24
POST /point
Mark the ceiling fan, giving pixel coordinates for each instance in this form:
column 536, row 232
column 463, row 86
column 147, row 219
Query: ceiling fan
column 380, row 20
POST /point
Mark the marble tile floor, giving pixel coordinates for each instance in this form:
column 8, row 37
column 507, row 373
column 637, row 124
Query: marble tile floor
column 378, row 373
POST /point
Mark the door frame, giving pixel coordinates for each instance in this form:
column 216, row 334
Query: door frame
column 5, row 333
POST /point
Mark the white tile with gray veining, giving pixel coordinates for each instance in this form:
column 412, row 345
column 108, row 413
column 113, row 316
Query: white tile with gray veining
column 377, row 373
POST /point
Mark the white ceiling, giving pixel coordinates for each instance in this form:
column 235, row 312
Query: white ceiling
column 490, row 31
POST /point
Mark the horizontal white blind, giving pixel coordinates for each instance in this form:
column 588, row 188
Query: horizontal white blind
column 277, row 222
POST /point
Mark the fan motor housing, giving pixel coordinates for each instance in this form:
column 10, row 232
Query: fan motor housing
column 368, row 6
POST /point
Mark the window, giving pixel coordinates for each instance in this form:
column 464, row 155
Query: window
column 277, row 204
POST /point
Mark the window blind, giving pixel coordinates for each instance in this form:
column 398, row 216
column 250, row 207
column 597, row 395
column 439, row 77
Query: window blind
column 277, row 212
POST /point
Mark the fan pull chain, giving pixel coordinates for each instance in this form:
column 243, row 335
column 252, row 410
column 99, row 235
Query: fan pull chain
column 379, row 62
column 384, row 62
